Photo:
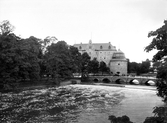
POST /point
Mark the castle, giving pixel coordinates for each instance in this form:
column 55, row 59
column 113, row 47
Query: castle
column 114, row 59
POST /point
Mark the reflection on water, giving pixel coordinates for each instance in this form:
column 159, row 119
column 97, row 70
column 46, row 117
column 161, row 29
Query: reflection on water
column 77, row 103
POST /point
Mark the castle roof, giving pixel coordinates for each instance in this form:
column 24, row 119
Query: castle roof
column 96, row 46
column 119, row 55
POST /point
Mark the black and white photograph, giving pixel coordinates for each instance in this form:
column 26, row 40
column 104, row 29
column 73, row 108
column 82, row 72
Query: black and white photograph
column 83, row 61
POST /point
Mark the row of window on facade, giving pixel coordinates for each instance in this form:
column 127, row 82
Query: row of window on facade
column 100, row 53
column 90, row 47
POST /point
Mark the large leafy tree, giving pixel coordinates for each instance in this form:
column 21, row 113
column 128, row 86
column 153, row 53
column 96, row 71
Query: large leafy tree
column 159, row 42
column 58, row 60
column 42, row 54
column 9, row 58
column 30, row 49
column 18, row 57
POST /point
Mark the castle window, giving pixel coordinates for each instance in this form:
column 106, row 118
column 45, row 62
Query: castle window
column 90, row 47
column 109, row 47
column 101, row 47
column 118, row 63
column 80, row 47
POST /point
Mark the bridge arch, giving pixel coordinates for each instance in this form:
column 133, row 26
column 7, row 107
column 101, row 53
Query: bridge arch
column 134, row 82
column 150, row 83
column 119, row 81
column 106, row 80
column 96, row 80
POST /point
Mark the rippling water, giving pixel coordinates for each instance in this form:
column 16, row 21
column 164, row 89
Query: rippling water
column 77, row 104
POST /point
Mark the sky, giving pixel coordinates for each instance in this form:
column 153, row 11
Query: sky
column 124, row 23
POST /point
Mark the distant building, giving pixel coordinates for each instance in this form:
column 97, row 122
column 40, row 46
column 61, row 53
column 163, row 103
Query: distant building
column 114, row 59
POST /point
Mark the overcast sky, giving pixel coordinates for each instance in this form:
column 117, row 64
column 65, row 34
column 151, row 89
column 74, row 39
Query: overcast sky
column 124, row 23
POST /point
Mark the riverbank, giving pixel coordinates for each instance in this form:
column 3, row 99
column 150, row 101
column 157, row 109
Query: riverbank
column 17, row 87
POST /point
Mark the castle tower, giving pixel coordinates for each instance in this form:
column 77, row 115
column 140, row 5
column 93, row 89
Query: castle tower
column 118, row 63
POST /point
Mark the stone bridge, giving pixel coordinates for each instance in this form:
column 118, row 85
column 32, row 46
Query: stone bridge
column 124, row 79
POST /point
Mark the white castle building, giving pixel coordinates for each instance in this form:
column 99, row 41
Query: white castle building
column 114, row 59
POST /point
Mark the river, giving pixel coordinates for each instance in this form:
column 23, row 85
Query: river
column 79, row 104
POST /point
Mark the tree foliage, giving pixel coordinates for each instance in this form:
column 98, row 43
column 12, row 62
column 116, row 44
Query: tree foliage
column 103, row 67
column 134, row 67
column 139, row 68
column 30, row 49
column 159, row 42
column 47, row 42
column 6, row 27
column 18, row 57
column 76, row 59
column 85, row 59
column 145, row 66
column 58, row 60
column 93, row 66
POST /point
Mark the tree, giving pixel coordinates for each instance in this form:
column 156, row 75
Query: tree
column 8, row 56
column 128, row 66
column 134, row 67
column 93, row 66
column 76, row 59
column 58, row 61
column 6, row 27
column 159, row 42
column 85, row 59
column 145, row 66
column 139, row 68
column 30, row 49
column 103, row 67
column 18, row 57
column 47, row 42
column 42, row 54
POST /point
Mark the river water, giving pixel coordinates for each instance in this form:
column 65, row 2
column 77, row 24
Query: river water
column 79, row 104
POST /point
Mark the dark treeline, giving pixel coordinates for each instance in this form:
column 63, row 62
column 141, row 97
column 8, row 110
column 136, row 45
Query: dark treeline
column 140, row 68
column 31, row 59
